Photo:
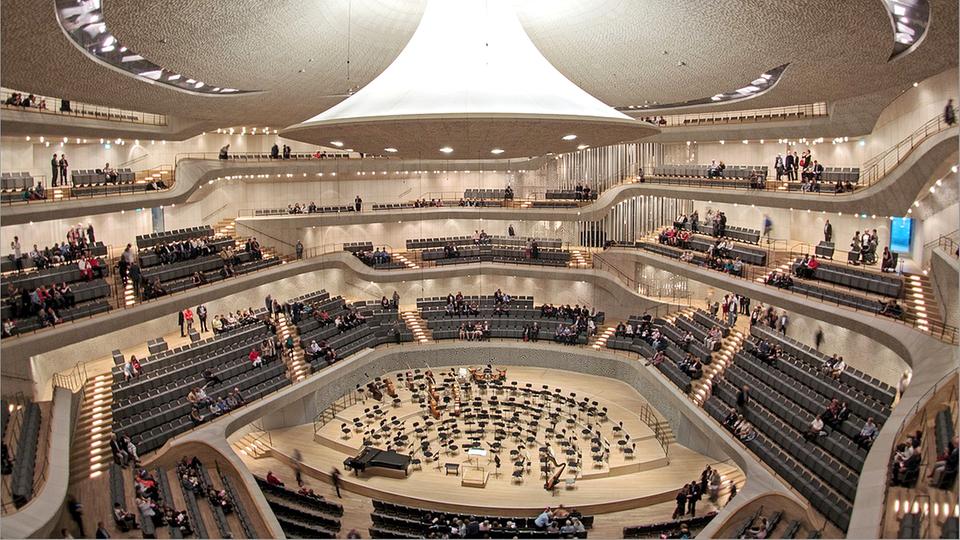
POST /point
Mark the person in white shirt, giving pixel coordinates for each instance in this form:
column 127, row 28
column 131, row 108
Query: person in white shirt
column 837, row 369
column 816, row 428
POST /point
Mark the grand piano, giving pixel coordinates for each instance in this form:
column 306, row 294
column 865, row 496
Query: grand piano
column 377, row 461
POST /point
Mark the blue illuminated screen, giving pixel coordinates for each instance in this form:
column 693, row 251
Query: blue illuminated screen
column 901, row 233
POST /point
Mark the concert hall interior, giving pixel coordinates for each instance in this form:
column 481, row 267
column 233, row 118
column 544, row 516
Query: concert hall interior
column 479, row 269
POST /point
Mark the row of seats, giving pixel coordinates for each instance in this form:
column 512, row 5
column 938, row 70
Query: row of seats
column 25, row 456
column 92, row 299
column 668, row 529
column 301, row 516
column 740, row 234
column 943, row 430
column 149, row 258
column 669, row 368
column 500, row 327
column 835, row 507
column 149, row 240
column 69, row 273
column 701, row 171
column 249, row 531
column 514, row 241
column 487, row 253
column 8, row 264
column 749, row 255
column 871, row 386
column 166, row 494
column 16, row 181
column 219, row 517
column 410, row 520
column 96, row 176
column 486, row 300
column 100, row 190
column 855, row 301
column 884, row 285
column 569, row 194
column 358, row 247
column 485, row 194
column 318, row 210
column 193, row 511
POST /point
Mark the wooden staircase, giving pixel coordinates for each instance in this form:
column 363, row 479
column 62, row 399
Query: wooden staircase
column 921, row 301
column 226, row 227
column 297, row 367
column 417, row 325
column 700, row 390
column 90, row 453
column 599, row 341
column 253, row 444
column 580, row 258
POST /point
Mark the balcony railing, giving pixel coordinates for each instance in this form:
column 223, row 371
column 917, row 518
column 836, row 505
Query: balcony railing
column 792, row 112
column 57, row 106
column 878, row 166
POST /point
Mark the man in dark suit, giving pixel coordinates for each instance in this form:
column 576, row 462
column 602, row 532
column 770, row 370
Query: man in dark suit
column 274, row 151
column 63, row 168
column 791, row 167
column 54, row 169
column 827, row 232
column 181, row 320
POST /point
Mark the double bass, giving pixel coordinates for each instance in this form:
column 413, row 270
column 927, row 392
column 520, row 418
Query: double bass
column 434, row 400
column 391, row 388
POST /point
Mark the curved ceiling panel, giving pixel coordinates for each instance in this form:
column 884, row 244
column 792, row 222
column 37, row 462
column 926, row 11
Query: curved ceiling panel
column 766, row 81
column 910, row 19
column 82, row 21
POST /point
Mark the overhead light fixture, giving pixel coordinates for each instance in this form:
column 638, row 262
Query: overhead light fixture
column 497, row 151
column 583, row 147
column 390, row 149
column 338, row 144
column 569, row 137
column 446, row 150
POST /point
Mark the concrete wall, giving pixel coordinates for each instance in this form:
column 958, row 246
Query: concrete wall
column 945, row 274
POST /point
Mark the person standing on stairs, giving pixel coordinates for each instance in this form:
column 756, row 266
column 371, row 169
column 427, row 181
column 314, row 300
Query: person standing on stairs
column 182, row 320
column 268, row 303
column 297, row 471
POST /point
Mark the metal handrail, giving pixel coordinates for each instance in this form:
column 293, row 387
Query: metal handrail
column 265, row 156
column 85, row 110
column 876, row 167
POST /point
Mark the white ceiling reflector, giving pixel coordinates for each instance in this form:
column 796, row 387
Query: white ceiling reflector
column 470, row 78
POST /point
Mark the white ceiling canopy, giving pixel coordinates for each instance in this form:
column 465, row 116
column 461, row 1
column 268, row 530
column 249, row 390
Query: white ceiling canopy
column 470, row 80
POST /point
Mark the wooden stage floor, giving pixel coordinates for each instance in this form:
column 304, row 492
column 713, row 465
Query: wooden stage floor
column 650, row 478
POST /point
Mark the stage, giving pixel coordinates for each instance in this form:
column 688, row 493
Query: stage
column 607, row 461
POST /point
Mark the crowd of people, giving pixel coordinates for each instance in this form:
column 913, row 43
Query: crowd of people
column 690, row 494
column 16, row 99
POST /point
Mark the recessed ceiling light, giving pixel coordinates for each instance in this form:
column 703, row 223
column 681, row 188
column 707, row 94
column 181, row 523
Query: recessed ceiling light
column 916, row 84
column 390, row 149
column 569, row 137
column 497, row 151
column 583, row 146
column 446, row 150
column 338, row 144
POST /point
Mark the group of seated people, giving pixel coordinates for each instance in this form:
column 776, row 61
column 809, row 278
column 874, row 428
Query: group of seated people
column 16, row 99
column 432, row 203
column 153, row 507
column 582, row 192
column 69, row 251
column 321, row 350
column 672, row 236
column 450, row 251
column 531, row 332
column 767, row 352
column 740, row 427
column 944, row 471
column 351, row 319
column 891, row 308
column 199, row 400
column 43, row 302
column 474, row 331
column 377, row 256
column 807, row 267
column 780, row 279
column 907, row 460
column 481, row 237
column 184, row 250
column 715, row 170
column 549, row 311
column 124, row 451
column 658, row 120
column 727, row 265
column 35, row 193
column 691, row 365
column 569, row 334
column 834, row 367
column 224, row 323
